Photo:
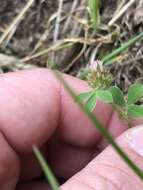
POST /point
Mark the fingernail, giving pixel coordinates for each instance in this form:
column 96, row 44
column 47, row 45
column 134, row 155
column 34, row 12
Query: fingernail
column 135, row 139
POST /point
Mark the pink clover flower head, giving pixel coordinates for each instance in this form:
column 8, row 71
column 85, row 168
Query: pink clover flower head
column 98, row 76
column 95, row 65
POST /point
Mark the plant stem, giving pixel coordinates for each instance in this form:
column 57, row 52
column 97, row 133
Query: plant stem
column 94, row 12
column 122, row 116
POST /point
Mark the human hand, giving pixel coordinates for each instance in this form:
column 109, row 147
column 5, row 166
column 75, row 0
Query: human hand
column 35, row 109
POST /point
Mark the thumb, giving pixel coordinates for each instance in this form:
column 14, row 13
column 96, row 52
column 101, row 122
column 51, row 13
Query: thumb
column 108, row 171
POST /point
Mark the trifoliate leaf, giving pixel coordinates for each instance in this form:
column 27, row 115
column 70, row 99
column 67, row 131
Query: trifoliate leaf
column 91, row 102
column 135, row 92
column 105, row 96
column 135, row 111
column 84, row 96
column 117, row 95
column 89, row 98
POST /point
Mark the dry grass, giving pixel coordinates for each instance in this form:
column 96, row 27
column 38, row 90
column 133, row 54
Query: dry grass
column 67, row 42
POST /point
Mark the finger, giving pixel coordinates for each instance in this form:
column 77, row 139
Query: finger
column 29, row 110
column 30, row 168
column 9, row 165
column 76, row 157
column 67, row 159
column 108, row 171
column 117, row 126
column 33, row 105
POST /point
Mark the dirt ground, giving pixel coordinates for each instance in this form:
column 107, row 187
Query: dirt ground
column 39, row 39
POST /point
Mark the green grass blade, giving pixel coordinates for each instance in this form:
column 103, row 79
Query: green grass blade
column 111, row 56
column 85, row 96
column 111, row 61
column 94, row 12
column 48, row 173
column 91, row 102
column 101, row 129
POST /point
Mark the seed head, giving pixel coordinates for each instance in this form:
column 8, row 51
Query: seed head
column 98, row 76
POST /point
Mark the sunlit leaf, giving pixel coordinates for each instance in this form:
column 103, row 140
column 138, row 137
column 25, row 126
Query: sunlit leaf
column 117, row 95
column 91, row 102
column 105, row 96
column 135, row 92
column 135, row 111
column 89, row 98
column 84, row 96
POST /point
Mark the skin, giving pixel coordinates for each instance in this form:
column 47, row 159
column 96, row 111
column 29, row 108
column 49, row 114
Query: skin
column 36, row 110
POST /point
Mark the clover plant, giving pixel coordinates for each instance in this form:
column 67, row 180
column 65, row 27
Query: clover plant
column 100, row 81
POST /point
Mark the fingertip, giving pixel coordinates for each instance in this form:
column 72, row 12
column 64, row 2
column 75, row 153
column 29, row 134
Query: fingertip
column 34, row 104
column 29, row 107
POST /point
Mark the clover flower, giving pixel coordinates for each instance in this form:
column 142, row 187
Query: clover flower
column 98, row 76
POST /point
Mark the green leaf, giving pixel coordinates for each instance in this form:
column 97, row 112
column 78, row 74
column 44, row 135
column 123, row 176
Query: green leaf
column 47, row 171
column 89, row 98
column 135, row 111
column 135, row 92
column 105, row 96
column 84, row 96
column 118, row 97
column 122, row 48
column 91, row 102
